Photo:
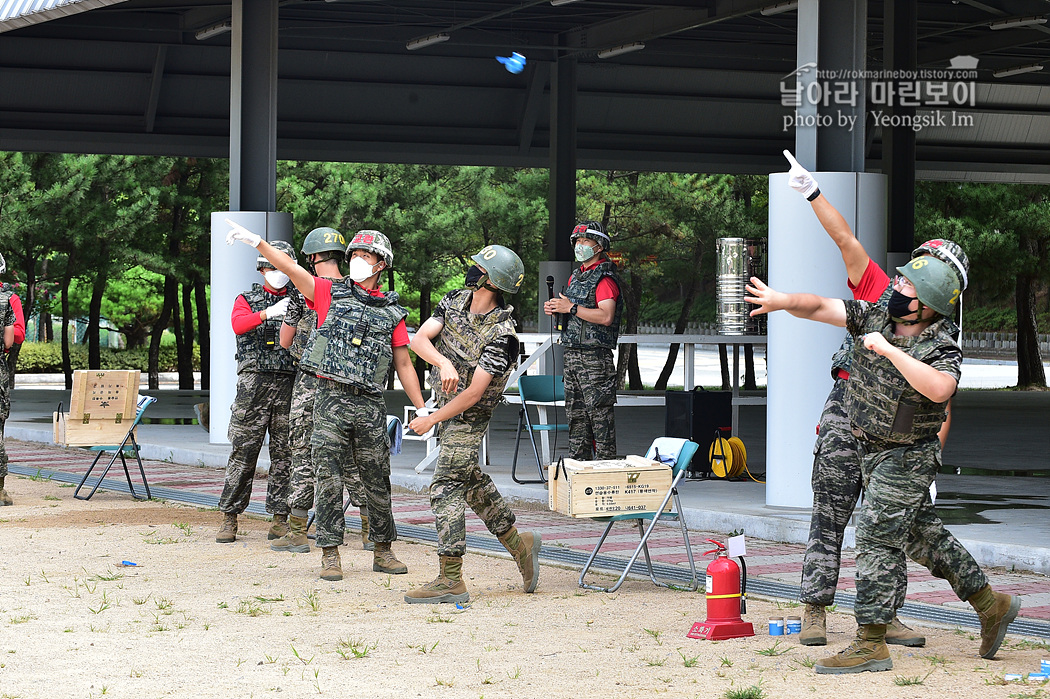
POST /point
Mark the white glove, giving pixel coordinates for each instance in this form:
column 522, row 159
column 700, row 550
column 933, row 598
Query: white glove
column 278, row 309
column 239, row 232
column 799, row 178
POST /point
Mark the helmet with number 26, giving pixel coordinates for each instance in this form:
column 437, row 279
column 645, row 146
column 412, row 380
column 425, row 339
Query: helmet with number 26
column 503, row 266
column 936, row 283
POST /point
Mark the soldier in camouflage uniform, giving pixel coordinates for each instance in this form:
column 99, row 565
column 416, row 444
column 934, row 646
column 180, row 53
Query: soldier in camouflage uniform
column 12, row 323
column 470, row 334
column 265, row 372
column 836, row 479
column 324, row 249
column 592, row 306
column 361, row 333
column 905, row 367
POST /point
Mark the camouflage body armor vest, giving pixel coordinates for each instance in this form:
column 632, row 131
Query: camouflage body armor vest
column 582, row 287
column 306, row 326
column 353, row 345
column 260, row 350
column 879, row 400
column 843, row 357
column 461, row 341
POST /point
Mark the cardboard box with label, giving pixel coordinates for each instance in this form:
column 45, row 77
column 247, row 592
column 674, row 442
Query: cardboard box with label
column 604, row 488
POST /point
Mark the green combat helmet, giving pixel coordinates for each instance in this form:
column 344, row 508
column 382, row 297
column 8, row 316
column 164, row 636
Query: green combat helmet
column 503, row 267
column 947, row 251
column 936, row 283
column 281, row 245
column 372, row 241
column 323, row 239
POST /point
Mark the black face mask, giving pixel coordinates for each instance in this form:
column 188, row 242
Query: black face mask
column 899, row 305
column 474, row 275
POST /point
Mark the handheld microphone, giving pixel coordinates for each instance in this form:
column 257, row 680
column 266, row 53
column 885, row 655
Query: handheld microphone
column 555, row 317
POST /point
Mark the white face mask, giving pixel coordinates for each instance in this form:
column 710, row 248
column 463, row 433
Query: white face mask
column 583, row 252
column 359, row 269
column 275, row 279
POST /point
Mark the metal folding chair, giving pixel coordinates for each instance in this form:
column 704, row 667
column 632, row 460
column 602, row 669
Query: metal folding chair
column 679, row 465
column 543, row 392
column 128, row 445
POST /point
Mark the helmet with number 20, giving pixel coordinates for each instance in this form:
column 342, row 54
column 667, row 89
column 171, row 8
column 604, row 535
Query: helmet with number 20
column 503, row 266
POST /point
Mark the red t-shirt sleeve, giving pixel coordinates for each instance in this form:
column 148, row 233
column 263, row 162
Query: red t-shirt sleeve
column 872, row 283
column 607, row 289
column 322, row 299
column 20, row 320
column 400, row 336
column 243, row 318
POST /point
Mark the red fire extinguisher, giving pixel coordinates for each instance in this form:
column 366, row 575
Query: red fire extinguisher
column 726, row 598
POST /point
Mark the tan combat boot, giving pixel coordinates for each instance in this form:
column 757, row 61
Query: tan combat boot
column 867, row 653
column 295, row 540
column 5, row 499
column 278, row 528
column 384, row 560
column 898, row 634
column 814, row 626
column 330, row 567
column 365, row 543
column 995, row 610
column 228, row 531
column 525, row 547
column 446, row 588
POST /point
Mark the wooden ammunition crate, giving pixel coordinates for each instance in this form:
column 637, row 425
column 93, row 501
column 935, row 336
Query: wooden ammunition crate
column 68, row 432
column 603, row 488
column 102, row 406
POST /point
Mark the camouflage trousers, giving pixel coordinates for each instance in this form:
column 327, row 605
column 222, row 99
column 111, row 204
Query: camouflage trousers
column 350, row 436
column 459, row 481
column 897, row 509
column 590, row 394
column 262, row 405
column 837, row 483
column 5, row 411
column 300, row 429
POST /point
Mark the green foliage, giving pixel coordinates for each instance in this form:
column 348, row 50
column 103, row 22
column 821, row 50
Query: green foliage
column 46, row 358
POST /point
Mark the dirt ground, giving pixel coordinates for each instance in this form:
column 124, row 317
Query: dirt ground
column 194, row 618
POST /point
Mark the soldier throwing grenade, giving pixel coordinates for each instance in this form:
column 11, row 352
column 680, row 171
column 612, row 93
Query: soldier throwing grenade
column 470, row 334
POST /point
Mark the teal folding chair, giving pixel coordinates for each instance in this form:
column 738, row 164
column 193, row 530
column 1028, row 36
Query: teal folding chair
column 128, row 445
column 679, row 465
column 544, row 390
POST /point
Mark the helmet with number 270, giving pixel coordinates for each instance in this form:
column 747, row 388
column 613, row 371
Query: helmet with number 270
column 323, row 239
column 503, row 266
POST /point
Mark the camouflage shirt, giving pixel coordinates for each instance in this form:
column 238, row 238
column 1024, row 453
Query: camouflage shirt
column 471, row 341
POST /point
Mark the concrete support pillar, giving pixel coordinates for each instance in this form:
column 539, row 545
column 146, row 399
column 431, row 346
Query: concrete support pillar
column 802, row 258
column 253, row 190
column 233, row 271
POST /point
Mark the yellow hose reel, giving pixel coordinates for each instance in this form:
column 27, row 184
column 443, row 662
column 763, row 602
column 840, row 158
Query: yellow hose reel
column 728, row 457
